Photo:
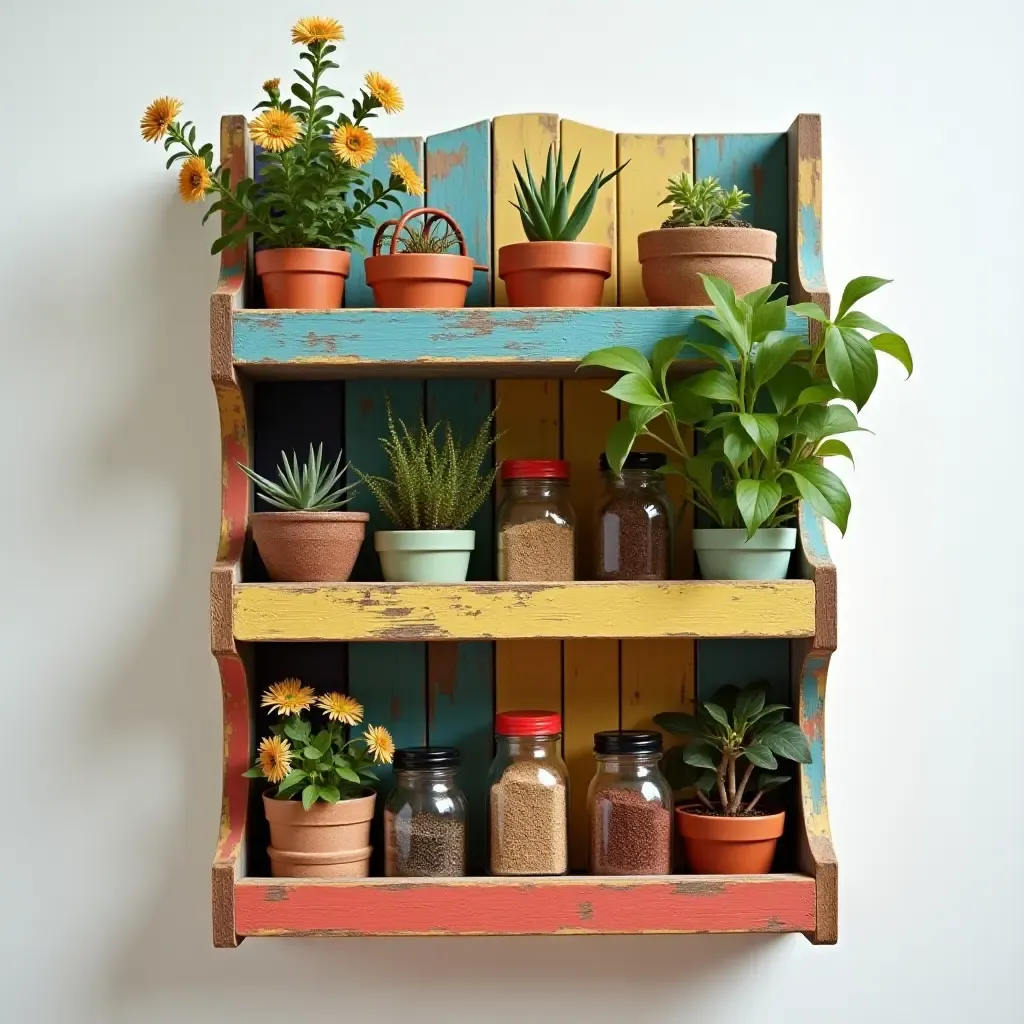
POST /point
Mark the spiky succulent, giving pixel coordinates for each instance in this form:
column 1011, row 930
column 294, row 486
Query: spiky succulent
column 310, row 488
column 701, row 203
column 545, row 210
column 432, row 487
column 424, row 239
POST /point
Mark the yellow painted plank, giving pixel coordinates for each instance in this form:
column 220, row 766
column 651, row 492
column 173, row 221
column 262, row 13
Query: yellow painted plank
column 552, row 611
column 657, row 675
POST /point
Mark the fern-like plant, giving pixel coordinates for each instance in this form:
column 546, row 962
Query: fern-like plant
column 702, row 203
column 311, row 488
column 432, row 486
column 424, row 239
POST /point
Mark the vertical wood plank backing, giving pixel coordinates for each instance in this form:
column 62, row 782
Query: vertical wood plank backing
column 528, row 673
column 657, row 675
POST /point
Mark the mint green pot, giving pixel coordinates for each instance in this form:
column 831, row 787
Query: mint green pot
column 424, row 556
column 728, row 555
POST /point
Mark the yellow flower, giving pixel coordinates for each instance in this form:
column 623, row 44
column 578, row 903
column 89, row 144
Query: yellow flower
column 410, row 179
column 353, row 145
column 272, row 85
column 158, row 117
column 275, row 758
column 317, row 30
column 380, row 744
column 341, row 708
column 193, row 179
column 289, row 697
column 276, row 130
column 385, row 92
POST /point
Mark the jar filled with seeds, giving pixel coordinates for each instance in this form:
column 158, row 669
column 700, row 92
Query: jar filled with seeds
column 529, row 795
column 425, row 816
column 634, row 520
column 629, row 804
column 536, row 524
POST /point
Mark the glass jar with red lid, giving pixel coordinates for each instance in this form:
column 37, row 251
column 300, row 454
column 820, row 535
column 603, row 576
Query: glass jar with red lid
column 528, row 787
column 536, row 522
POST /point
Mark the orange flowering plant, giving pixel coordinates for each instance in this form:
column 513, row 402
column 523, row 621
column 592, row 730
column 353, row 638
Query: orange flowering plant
column 310, row 190
column 321, row 764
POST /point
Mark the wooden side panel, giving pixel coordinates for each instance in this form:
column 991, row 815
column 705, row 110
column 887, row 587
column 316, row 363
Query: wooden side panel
column 806, row 257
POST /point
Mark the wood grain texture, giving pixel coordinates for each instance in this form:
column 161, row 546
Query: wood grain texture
column 657, row 675
column 806, row 257
column 533, row 906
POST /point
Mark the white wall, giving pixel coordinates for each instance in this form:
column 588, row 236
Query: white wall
column 110, row 507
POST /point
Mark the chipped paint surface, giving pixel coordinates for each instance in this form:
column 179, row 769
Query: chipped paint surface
column 812, row 722
column 809, row 251
column 236, row 758
column 234, row 483
column 812, row 528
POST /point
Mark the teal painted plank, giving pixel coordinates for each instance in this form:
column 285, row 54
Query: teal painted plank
column 721, row 662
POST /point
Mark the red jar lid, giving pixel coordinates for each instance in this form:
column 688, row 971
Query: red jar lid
column 527, row 723
column 538, row 469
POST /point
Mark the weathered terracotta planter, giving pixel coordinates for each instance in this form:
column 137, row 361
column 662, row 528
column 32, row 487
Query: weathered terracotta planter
column 406, row 280
column 309, row 547
column 328, row 840
column 554, row 273
column 303, row 278
column 717, row 845
column 671, row 260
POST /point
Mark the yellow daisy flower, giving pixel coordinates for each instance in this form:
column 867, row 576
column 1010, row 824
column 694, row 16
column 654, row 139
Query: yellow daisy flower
column 275, row 758
column 410, row 179
column 380, row 744
column 276, row 130
column 317, row 30
column 272, row 85
column 353, row 145
column 289, row 697
column 158, row 117
column 385, row 92
column 341, row 708
column 193, row 179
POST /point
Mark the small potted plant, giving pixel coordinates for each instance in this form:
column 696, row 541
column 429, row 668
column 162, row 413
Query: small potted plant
column 425, row 274
column 431, row 496
column 765, row 416
column 310, row 196
column 308, row 540
column 320, row 815
column 552, row 268
column 728, row 832
column 703, row 233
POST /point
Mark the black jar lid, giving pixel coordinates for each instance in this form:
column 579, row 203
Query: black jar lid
column 412, row 759
column 627, row 741
column 638, row 460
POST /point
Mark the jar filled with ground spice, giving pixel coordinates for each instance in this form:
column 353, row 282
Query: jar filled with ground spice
column 425, row 816
column 633, row 520
column 630, row 806
column 536, row 523
column 529, row 795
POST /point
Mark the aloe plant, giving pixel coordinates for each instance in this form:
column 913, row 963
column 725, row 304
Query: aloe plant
column 310, row 488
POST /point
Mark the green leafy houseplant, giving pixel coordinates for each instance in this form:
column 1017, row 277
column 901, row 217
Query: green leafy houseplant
column 731, row 735
column 702, row 203
column 311, row 488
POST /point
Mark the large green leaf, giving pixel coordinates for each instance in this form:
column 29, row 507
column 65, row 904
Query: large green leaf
column 786, row 740
column 760, row 296
column 714, row 384
column 786, row 386
column 761, row 755
column 818, row 421
column 665, row 352
column 809, row 309
column 817, row 393
column 833, row 447
column 763, row 429
column 767, row 319
column 635, row 389
column 309, row 795
column 619, row 357
column 620, row 441
column 330, row 794
column 749, row 701
column 701, row 754
column 852, row 364
column 823, row 491
column 767, row 781
column 678, row 723
column 757, row 500
column 700, row 469
column 857, row 289
column 862, row 322
column 717, row 712
column 716, row 353
column 738, row 446
column 724, row 298
column 895, row 346
column 772, row 354
column 687, row 407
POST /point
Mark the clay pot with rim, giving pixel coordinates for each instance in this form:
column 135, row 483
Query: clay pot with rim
column 671, row 260
column 720, row 845
column 327, row 841
column 419, row 280
column 309, row 547
column 303, row 278
column 555, row 273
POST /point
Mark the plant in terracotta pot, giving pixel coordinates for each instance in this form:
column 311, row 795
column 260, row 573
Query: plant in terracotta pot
column 320, row 815
column 765, row 416
column 309, row 540
column 551, row 268
column 433, row 492
column 728, row 831
column 703, row 234
column 420, row 270
column 311, row 194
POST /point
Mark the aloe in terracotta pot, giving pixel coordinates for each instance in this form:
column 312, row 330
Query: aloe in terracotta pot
column 309, row 539
column 320, row 815
column 728, row 832
column 552, row 268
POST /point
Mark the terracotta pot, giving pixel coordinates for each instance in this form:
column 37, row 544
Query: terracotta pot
column 555, row 273
column 716, row 845
column 671, row 259
column 309, row 547
column 406, row 280
column 303, row 278
column 327, row 840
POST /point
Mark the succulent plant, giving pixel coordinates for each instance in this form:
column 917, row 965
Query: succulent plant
column 424, row 239
column 310, row 488
column 702, row 203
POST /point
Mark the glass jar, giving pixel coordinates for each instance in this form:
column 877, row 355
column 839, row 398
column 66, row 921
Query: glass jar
column 425, row 816
column 536, row 524
column 634, row 520
column 629, row 805
column 528, row 788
